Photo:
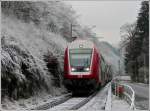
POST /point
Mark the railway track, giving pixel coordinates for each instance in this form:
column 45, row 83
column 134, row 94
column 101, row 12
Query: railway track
column 53, row 103
column 73, row 103
column 70, row 102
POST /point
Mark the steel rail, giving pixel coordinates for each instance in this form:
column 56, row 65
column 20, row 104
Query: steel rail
column 83, row 102
column 53, row 103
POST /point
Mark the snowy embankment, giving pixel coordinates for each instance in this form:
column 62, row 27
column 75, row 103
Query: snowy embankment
column 25, row 49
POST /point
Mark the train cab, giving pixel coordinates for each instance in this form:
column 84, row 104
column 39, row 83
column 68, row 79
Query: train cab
column 81, row 65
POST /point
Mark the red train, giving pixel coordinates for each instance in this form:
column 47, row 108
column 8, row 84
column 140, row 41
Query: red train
column 84, row 67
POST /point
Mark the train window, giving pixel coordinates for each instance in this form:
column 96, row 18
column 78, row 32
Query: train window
column 82, row 51
column 80, row 58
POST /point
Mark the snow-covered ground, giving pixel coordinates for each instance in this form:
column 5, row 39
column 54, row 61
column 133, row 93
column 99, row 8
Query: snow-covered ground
column 30, row 103
column 122, row 105
column 141, row 95
column 95, row 104
column 119, row 104
column 98, row 102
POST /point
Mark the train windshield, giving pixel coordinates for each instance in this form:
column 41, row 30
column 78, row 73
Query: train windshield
column 80, row 57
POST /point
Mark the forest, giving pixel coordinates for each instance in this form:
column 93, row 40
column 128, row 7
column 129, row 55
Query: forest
column 135, row 39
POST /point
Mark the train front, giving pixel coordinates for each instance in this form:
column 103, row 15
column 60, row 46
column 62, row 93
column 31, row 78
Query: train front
column 79, row 66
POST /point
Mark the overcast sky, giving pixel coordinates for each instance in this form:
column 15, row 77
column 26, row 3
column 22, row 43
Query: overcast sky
column 108, row 16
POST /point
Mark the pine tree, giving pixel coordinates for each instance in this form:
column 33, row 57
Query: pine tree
column 137, row 48
column 143, row 33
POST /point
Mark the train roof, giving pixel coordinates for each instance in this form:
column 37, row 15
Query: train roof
column 81, row 44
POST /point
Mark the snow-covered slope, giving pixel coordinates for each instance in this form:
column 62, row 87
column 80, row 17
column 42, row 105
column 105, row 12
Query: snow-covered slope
column 24, row 52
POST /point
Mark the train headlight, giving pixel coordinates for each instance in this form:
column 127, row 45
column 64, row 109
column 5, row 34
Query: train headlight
column 87, row 69
column 73, row 69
